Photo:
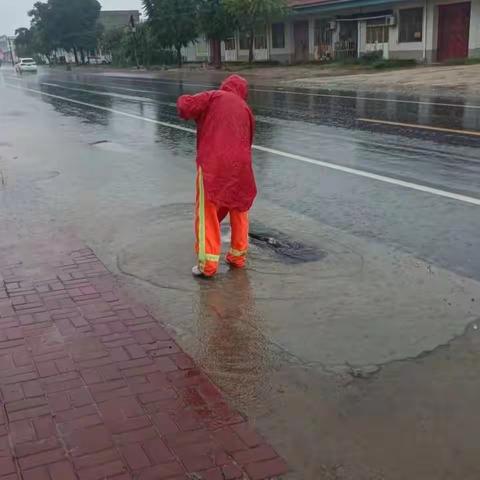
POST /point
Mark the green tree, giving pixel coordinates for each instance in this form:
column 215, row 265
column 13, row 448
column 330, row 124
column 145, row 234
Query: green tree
column 121, row 45
column 68, row 24
column 174, row 23
column 251, row 13
column 43, row 27
column 24, row 42
column 217, row 25
column 77, row 21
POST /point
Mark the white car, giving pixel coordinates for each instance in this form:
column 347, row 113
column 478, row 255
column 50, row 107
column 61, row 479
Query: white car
column 26, row 65
column 101, row 60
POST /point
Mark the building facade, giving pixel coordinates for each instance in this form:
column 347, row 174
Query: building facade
column 315, row 30
column 7, row 49
column 113, row 19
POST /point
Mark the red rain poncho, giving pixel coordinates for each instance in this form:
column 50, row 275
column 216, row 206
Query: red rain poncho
column 225, row 130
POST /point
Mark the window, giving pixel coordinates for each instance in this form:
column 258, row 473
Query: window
column 261, row 38
column 411, row 25
column 377, row 31
column 260, row 42
column 278, row 35
column 230, row 44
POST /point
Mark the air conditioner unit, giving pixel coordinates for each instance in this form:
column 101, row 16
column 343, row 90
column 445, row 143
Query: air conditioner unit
column 391, row 20
column 332, row 25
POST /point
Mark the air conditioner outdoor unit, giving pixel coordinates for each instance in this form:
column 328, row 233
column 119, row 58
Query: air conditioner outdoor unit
column 391, row 20
column 332, row 25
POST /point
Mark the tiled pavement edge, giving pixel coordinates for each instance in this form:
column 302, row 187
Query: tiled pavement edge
column 94, row 388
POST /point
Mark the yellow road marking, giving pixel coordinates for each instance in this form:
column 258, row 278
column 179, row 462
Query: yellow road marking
column 422, row 127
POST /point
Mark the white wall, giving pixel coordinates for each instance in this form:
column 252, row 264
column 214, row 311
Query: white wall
column 474, row 41
column 196, row 51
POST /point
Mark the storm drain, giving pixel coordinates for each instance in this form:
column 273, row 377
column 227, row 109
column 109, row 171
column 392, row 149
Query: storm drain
column 285, row 248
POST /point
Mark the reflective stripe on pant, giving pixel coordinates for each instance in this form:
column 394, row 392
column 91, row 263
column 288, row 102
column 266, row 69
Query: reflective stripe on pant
column 237, row 255
column 208, row 235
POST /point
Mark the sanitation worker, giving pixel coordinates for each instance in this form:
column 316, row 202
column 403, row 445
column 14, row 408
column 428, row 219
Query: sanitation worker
column 225, row 182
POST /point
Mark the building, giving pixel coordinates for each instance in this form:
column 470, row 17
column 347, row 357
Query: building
column 7, row 49
column 113, row 19
column 315, row 30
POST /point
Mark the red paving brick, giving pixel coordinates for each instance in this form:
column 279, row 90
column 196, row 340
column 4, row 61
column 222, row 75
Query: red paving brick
column 95, row 388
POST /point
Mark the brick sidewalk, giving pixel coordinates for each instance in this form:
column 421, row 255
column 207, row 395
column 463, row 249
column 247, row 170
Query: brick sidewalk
column 94, row 388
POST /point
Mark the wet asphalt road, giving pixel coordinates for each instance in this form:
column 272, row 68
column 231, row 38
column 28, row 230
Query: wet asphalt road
column 326, row 128
column 344, row 352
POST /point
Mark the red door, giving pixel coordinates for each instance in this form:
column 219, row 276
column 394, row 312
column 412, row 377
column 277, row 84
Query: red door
column 300, row 33
column 453, row 30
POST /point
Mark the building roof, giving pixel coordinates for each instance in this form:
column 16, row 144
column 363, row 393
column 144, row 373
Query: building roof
column 303, row 7
column 307, row 3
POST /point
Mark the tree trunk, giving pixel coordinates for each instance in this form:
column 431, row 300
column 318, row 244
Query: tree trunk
column 76, row 55
column 82, row 55
column 179, row 55
column 216, row 52
column 251, row 57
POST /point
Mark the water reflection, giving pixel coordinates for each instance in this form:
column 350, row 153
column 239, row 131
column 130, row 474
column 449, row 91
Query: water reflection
column 89, row 115
column 181, row 144
column 233, row 347
column 343, row 107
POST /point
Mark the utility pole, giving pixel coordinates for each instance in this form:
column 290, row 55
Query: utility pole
column 133, row 29
column 11, row 51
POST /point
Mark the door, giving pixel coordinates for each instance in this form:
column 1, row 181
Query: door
column 300, row 34
column 377, row 36
column 347, row 45
column 453, row 31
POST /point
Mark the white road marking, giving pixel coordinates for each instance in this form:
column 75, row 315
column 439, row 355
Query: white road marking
column 259, row 118
column 135, row 90
column 110, row 94
column 280, row 153
column 421, row 127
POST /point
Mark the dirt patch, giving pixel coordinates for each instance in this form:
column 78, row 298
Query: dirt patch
column 452, row 80
column 445, row 80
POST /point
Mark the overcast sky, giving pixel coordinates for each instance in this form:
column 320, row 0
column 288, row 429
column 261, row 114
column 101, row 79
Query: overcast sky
column 13, row 13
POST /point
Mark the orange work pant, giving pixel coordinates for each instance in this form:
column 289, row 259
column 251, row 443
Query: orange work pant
column 208, row 244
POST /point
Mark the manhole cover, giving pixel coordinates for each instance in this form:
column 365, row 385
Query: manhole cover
column 287, row 249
